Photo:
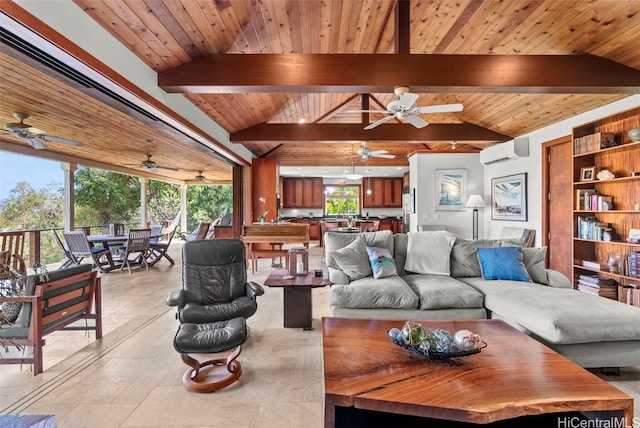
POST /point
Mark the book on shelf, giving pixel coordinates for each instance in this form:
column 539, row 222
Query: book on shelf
column 632, row 265
column 591, row 228
column 598, row 285
column 593, row 265
column 605, row 203
column 592, row 142
column 580, row 198
column 596, row 280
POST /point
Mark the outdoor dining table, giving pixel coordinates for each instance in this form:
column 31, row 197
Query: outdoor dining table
column 105, row 240
column 112, row 240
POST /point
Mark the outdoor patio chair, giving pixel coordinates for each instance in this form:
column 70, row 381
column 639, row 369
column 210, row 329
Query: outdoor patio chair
column 79, row 249
column 199, row 234
column 158, row 249
column 68, row 258
column 12, row 250
column 137, row 244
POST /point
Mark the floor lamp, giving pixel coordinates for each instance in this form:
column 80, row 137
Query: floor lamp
column 475, row 202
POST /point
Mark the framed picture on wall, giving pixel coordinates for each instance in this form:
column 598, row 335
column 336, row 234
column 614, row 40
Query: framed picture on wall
column 509, row 197
column 451, row 188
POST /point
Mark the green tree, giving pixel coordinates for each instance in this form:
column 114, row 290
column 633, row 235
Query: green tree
column 163, row 201
column 28, row 208
column 207, row 203
column 108, row 197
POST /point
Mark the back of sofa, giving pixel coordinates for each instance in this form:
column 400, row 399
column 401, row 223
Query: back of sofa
column 463, row 259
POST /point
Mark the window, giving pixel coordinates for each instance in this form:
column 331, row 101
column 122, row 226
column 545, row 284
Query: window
column 342, row 200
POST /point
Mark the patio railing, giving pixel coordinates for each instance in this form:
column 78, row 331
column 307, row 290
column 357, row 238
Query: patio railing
column 34, row 250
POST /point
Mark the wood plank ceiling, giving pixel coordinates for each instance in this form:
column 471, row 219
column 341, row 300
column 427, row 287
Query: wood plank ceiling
column 166, row 34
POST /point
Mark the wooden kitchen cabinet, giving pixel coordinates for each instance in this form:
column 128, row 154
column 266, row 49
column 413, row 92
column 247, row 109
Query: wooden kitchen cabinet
column 302, row 192
column 314, row 227
column 385, row 192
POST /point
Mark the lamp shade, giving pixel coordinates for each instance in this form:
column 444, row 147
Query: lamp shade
column 475, row 201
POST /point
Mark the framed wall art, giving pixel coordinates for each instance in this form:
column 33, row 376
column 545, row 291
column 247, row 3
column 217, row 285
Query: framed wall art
column 451, row 188
column 509, row 197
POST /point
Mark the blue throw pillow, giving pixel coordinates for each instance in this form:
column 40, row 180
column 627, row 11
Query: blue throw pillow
column 382, row 263
column 502, row 263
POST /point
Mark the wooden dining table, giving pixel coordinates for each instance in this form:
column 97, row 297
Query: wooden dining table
column 106, row 240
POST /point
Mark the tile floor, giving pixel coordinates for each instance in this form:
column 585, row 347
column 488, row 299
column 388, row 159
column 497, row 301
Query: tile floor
column 132, row 377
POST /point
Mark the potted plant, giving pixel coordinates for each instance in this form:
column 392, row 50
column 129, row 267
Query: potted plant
column 263, row 218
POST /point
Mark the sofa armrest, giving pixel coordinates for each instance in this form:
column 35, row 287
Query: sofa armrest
column 337, row 276
column 558, row 280
column 176, row 298
column 254, row 290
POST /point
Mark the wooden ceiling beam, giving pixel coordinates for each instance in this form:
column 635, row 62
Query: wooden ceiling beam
column 378, row 73
column 312, row 132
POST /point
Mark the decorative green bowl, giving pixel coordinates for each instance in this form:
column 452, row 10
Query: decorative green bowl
column 634, row 134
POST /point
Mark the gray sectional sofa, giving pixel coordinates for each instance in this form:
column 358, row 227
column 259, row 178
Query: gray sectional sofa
column 590, row 330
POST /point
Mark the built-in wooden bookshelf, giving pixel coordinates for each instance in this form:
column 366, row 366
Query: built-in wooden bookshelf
column 601, row 227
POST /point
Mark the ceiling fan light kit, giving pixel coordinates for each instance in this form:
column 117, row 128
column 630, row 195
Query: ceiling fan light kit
column 352, row 175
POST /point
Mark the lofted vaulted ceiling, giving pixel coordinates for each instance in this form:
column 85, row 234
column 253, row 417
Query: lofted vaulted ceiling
column 251, row 66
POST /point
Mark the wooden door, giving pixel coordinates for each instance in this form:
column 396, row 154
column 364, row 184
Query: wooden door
column 557, row 222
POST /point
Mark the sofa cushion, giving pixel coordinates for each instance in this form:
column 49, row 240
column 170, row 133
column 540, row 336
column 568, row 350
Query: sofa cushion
column 429, row 252
column 353, row 260
column 381, row 260
column 391, row 292
column 502, row 263
column 464, row 260
column 441, row 292
column 560, row 315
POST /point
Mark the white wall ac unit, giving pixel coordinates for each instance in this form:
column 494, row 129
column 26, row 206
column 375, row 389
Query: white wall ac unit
column 512, row 149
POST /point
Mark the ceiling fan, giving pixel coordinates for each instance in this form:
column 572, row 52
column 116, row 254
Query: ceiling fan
column 202, row 178
column 34, row 136
column 404, row 108
column 151, row 165
column 365, row 153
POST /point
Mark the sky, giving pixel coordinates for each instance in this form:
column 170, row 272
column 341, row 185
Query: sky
column 36, row 171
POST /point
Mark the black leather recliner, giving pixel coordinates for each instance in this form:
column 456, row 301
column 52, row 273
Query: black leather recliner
column 214, row 283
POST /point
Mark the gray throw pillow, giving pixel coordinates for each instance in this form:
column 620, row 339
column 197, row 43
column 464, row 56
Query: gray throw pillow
column 533, row 260
column 353, row 260
column 428, row 252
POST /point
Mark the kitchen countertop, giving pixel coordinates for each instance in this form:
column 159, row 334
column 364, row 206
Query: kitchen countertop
column 357, row 219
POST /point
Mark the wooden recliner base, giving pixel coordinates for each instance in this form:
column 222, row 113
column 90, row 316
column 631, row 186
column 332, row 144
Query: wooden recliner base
column 211, row 372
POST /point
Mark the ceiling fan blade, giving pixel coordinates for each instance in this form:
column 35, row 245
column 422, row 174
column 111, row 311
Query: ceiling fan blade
column 36, row 143
column 170, row 168
column 52, row 139
column 380, row 122
column 416, row 121
column 443, row 108
column 367, row 111
column 383, row 156
column 377, row 152
column 407, row 100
